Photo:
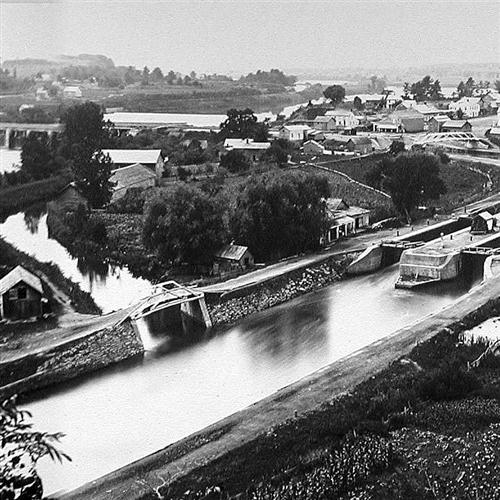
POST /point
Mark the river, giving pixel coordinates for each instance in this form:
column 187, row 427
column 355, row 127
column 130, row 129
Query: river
column 119, row 415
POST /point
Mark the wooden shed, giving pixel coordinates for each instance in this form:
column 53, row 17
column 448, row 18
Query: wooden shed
column 482, row 223
column 21, row 295
column 232, row 258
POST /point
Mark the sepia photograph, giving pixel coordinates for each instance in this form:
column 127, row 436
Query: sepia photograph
column 249, row 250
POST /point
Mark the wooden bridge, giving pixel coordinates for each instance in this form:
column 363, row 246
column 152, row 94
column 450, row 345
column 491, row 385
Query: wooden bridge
column 171, row 294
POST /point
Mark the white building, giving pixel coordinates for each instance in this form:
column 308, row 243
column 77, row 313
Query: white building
column 72, row 92
column 294, row 133
column 343, row 118
column 470, row 106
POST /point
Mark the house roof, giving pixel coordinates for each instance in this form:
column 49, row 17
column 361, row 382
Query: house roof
column 243, row 144
column 131, row 156
column 313, row 142
column 485, row 215
column 440, row 118
column 336, row 204
column 296, row 127
column 231, row 252
column 425, row 109
column 360, row 140
column 131, row 175
column 340, row 219
column 18, row 274
column 468, row 100
column 455, row 123
column 339, row 112
column 323, row 119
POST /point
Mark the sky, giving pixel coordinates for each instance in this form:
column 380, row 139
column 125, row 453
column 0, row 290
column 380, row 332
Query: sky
column 235, row 36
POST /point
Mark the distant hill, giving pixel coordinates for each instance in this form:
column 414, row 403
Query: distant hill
column 29, row 67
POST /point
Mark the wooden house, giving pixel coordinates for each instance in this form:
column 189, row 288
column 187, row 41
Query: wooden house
column 482, row 223
column 232, row 258
column 21, row 295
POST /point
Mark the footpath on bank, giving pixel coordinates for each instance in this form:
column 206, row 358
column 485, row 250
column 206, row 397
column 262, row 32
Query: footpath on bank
column 137, row 480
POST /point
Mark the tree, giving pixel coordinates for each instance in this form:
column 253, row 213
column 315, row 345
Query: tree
column 171, row 77
column 157, row 75
column 92, row 177
column 145, row 76
column 411, row 179
column 37, row 160
column 335, row 93
column 358, row 104
column 235, row 161
column 278, row 215
column 427, row 88
column 85, row 134
column 377, row 85
column 278, row 151
column 21, row 448
column 460, row 113
column 240, row 123
column 186, row 226
column 406, row 90
column 397, row 147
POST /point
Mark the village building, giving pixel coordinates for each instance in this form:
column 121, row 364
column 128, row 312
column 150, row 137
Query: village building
column 313, row 147
column 470, row 106
column 69, row 198
column 294, row 133
column 456, row 126
column 343, row 220
column 21, row 295
column 232, row 258
column 151, row 158
column 482, row 223
column 401, row 121
column 360, row 145
column 324, row 123
column 251, row 149
column 72, row 92
column 132, row 176
column 369, row 101
column 343, row 118
column 427, row 111
column 435, row 124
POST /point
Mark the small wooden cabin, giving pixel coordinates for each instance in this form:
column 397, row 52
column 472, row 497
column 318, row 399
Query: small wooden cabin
column 482, row 223
column 232, row 258
column 21, row 295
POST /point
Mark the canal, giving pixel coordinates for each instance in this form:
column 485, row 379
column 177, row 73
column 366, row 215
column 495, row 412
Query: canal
column 125, row 412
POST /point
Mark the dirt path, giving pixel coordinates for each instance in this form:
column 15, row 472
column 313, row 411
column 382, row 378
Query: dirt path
column 136, row 480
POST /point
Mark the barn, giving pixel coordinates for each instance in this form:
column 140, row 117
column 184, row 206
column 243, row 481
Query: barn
column 21, row 295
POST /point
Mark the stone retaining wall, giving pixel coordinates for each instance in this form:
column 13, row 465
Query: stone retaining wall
column 69, row 360
column 243, row 302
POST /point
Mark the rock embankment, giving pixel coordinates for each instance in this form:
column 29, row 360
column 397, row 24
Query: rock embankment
column 242, row 303
column 70, row 359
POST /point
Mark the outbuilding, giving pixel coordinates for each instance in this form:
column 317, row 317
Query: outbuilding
column 456, row 126
column 482, row 223
column 361, row 145
column 151, row 158
column 21, row 295
column 232, row 258
column 133, row 176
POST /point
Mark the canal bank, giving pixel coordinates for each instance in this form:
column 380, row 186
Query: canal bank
column 215, row 443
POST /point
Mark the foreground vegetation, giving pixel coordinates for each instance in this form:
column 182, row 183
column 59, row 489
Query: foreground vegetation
column 426, row 427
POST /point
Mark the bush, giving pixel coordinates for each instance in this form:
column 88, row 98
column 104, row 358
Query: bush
column 449, row 381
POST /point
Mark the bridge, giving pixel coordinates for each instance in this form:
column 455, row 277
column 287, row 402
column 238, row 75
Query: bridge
column 459, row 143
column 171, row 294
column 12, row 134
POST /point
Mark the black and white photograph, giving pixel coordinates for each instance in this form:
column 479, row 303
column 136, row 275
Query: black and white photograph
column 249, row 250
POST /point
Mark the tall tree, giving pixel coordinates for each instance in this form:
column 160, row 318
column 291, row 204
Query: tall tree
column 85, row 134
column 240, row 123
column 157, row 75
column 335, row 93
column 411, row 179
column 37, row 158
column 278, row 215
column 187, row 225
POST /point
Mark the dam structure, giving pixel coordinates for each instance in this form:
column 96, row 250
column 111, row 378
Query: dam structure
column 446, row 257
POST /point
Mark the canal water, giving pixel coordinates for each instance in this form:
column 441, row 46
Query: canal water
column 112, row 287
column 121, row 414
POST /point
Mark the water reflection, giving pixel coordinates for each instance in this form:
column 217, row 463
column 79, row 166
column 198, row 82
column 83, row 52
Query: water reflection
column 111, row 287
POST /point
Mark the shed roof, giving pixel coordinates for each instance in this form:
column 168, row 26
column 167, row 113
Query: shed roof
column 440, row 118
column 17, row 275
column 323, row 119
column 336, row 204
column 360, row 140
column 245, row 144
column 231, row 252
column 132, row 156
column 485, row 215
column 455, row 123
column 131, row 175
